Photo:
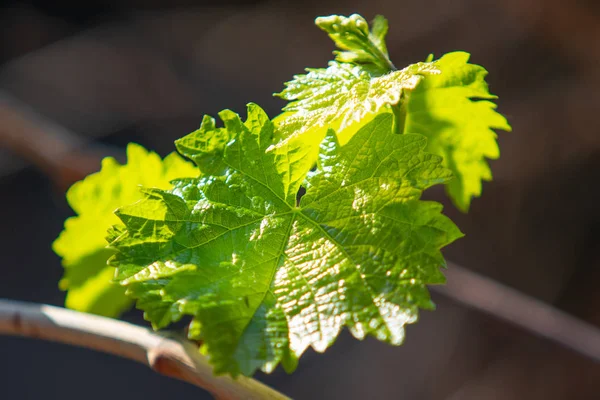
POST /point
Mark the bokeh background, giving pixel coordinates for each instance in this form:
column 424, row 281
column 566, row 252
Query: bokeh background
column 78, row 81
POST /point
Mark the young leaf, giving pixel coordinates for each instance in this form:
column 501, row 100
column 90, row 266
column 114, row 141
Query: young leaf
column 82, row 243
column 446, row 100
column 264, row 278
column 343, row 97
column 360, row 46
column 453, row 109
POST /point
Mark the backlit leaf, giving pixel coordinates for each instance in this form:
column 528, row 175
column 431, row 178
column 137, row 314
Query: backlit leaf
column 82, row 244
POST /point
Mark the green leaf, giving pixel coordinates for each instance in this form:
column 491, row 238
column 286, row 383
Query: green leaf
column 453, row 109
column 263, row 277
column 356, row 87
column 82, row 243
column 360, row 46
column 343, row 97
column 446, row 100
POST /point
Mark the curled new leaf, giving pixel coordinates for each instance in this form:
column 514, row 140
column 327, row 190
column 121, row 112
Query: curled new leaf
column 360, row 46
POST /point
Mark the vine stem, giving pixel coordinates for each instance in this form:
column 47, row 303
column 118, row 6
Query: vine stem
column 171, row 356
column 180, row 359
column 534, row 316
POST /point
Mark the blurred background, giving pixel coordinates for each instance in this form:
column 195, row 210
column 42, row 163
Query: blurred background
column 78, row 82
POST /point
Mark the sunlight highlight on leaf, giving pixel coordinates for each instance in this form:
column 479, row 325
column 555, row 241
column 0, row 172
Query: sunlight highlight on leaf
column 265, row 279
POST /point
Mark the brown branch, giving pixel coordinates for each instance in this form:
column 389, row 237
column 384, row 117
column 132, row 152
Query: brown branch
column 179, row 358
column 170, row 356
column 58, row 152
column 507, row 304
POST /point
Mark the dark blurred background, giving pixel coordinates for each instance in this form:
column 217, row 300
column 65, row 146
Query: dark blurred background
column 80, row 81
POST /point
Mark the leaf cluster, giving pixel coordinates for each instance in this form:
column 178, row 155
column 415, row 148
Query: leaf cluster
column 287, row 230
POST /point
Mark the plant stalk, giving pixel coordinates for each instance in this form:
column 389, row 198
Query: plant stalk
column 171, row 356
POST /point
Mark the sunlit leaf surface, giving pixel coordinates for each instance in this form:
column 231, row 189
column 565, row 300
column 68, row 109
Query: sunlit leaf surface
column 446, row 100
column 264, row 277
column 343, row 97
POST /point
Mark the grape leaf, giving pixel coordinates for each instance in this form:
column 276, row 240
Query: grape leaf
column 447, row 100
column 82, row 244
column 360, row 46
column 361, row 83
column 265, row 277
column 343, row 97
column 453, row 109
